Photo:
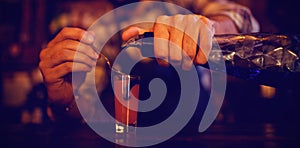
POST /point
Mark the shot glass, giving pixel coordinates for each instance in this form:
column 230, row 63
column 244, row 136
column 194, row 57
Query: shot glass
column 126, row 93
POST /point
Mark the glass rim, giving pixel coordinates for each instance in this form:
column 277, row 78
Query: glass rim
column 131, row 76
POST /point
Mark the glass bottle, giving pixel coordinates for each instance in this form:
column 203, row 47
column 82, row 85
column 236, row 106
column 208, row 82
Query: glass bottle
column 266, row 58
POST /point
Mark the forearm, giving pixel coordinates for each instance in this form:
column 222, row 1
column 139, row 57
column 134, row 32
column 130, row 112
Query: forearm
column 226, row 13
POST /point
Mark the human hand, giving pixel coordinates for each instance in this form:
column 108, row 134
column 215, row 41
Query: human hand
column 70, row 51
column 176, row 39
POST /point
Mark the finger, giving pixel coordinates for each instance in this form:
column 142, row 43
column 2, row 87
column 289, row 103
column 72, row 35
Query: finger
column 69, row 50
column 134, row 31
column 189, row 52
column 63, row 69
column 66, row 51
column 87, row 50
column 176, row 38
column 75, row 46
column 129, row 33
column 71, row 56
column 73, row 34
column 190, row 40
column 161, row 40
column 206, row 33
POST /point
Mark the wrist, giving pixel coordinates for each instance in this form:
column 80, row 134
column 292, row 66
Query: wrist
column 65, row 112
column 224, row 25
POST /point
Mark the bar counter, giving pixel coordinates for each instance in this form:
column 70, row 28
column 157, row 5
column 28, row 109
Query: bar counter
column 217, row 135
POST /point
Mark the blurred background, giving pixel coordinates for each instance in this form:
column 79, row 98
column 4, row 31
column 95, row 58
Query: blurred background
column 27, row 25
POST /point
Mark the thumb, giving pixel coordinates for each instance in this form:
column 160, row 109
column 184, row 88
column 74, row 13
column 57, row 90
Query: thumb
column 133, row 31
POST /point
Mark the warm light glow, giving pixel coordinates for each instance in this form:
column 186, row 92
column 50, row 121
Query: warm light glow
column 267, row 92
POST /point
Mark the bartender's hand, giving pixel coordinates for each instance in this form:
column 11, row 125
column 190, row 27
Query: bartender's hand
column 183, row 33
column 57, row 61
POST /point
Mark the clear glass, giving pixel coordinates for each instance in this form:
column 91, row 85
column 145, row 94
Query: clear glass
column 126, row 94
